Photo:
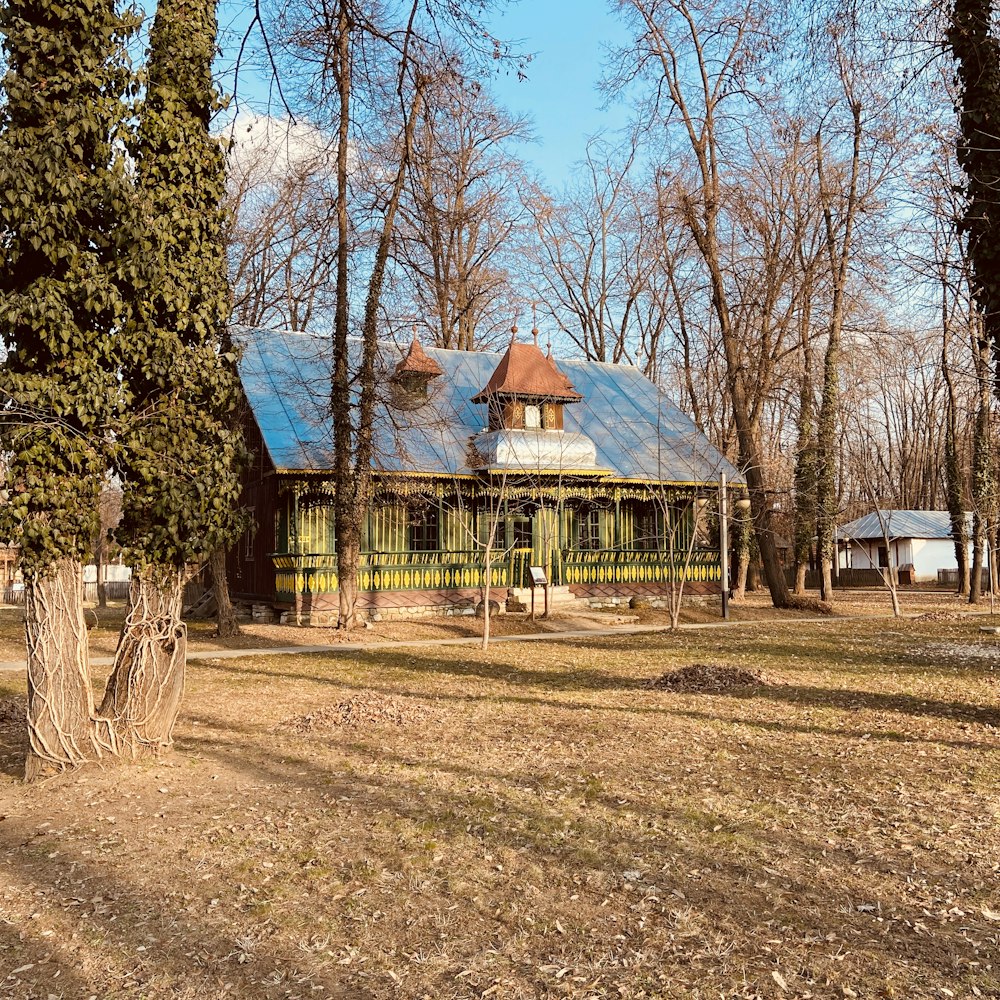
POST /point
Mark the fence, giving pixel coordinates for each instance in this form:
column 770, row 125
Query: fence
column 850, row 578
column 949, row 578
column 846, row 578
column 114, row 590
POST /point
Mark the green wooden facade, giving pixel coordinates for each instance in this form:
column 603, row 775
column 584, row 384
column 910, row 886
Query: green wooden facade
column 433, row 534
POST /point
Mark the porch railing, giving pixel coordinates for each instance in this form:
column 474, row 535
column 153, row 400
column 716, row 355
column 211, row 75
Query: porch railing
column 611, row 566
column 316, row 572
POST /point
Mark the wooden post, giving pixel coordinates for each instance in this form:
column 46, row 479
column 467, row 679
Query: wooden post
column 724, row 544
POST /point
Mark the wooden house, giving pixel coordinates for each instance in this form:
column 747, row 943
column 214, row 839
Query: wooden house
column 486, row 464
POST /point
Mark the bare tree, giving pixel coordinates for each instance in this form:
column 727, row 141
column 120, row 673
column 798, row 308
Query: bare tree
column 373, row 72
column 460, row 214
column 110, row 513
column 696, row 59
column 282, row 235
column 592, row 265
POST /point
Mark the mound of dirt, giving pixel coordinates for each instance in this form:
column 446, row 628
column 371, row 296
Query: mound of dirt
column 706, row 677
column 797, row 602
column 364, row 710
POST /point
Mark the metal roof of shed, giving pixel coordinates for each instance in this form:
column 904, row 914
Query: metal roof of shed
column 899, row 524
column 638, row 432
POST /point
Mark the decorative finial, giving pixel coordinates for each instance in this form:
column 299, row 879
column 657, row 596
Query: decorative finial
column 414, row 329
column 534, row 322
column 548, row 352
column 513, row 332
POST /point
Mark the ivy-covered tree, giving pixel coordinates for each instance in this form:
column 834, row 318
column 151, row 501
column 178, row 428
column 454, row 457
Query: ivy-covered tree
column 975, row 45
column 179, row 445
column 62, row 196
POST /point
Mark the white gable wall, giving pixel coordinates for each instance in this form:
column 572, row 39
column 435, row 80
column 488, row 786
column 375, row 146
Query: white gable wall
column 926, row 555
column 864, row 554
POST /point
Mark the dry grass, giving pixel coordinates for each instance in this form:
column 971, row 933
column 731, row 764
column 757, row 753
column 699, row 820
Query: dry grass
column 534, row 822
column 201, row 638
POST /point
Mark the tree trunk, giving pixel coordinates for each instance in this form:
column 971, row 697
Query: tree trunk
column 62, row 728
column 144, row 690
column 952, row 465
column 976, row 580
column 829, row 409
column 742, row 540
column 487, row 565
column 348, row 556
column 226, row 625
column 102, row 590
column 972, row 37
column 805, row 456
column 983, row 474
column 340, row 383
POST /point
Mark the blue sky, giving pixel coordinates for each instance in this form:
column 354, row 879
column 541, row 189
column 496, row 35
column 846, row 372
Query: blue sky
column 568, row 39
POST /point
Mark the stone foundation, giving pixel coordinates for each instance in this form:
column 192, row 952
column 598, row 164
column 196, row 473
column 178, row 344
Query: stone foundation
column 396, row 605
column 614, row 596
column 392, row 605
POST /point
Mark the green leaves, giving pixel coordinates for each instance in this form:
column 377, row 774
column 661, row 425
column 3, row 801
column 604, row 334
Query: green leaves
column 179, row 458
column 61, row 191
column 113, row 291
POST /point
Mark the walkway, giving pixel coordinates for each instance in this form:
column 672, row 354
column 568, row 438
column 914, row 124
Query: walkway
column 357, row 647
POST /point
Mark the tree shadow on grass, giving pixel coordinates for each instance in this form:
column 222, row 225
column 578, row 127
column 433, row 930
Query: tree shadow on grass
column 104, row 907
column 598, row 681
column 871, row 701
column 722, row 879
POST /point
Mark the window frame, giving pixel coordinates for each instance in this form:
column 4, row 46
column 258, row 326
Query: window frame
column 588, row 530
column 423, row 529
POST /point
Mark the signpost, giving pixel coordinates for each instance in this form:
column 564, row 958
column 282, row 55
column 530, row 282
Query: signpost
column 538, row 579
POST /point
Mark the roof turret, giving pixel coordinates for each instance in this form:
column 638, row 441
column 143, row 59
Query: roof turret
column 525, row 371
column 417, row 362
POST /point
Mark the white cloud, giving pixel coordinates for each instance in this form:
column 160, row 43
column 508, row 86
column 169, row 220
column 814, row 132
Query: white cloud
column 265, row 149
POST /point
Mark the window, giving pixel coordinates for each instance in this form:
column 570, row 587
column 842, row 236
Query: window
column 532, row 417
column 589, row 530
column 520, row 532
column 647, row 533
column 423, row 530
column 883, row 557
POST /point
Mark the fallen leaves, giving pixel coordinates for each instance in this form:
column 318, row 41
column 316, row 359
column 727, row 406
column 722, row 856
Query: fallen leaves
column 706, row 677
column 13, row 711
column 356, row 712
column 532, row 822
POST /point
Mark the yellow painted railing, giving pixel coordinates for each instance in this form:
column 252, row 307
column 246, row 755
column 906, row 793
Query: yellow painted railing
column 316, row 573
column 624, row 566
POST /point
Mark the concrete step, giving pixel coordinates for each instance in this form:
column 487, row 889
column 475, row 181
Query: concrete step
column 557, row 595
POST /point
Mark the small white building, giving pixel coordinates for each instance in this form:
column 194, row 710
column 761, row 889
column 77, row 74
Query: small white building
column 114, row 572
column 918, row 541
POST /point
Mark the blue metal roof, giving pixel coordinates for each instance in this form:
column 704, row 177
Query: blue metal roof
column 899, row 524
column 638, row 432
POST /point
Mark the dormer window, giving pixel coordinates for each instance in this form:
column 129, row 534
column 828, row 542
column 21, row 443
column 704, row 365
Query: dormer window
column 526, row 392
column 412, row 376
column 518, row 416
